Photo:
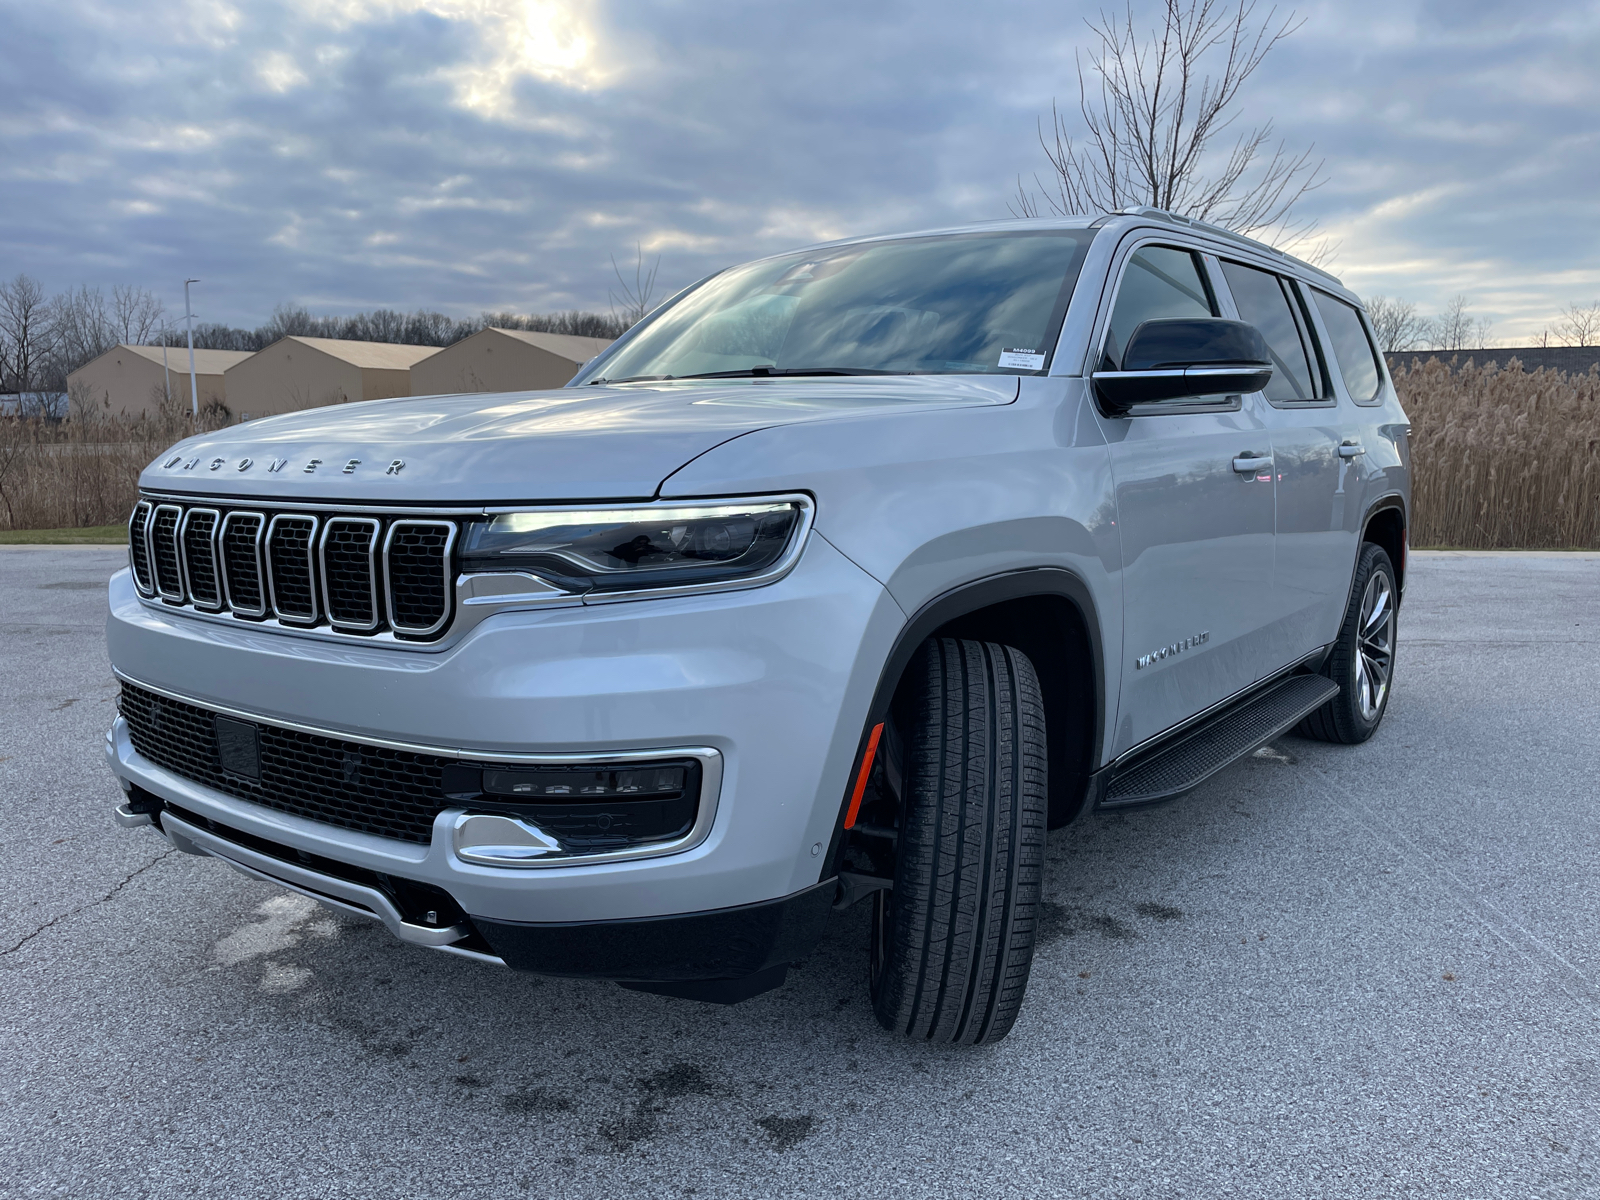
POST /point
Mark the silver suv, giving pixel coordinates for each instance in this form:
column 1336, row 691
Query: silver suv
column 843, row 576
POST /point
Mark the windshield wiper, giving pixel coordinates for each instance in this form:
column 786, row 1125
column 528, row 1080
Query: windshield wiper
column 766, row 372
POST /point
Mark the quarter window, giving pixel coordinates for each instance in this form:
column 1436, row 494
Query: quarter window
column 1158, row 282
column 1353, row 350
column 1264, row 300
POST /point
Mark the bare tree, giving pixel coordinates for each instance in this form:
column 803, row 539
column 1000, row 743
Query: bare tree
column 1396, row 323
column 27, row 334
column 135, row 314
column 1153, row 113
column 635, row 299
column 16, row 439
column 82, row 326
column 1454, row 329
column 1580, row 325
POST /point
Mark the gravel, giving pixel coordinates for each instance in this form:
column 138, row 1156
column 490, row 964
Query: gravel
column 1332, row 972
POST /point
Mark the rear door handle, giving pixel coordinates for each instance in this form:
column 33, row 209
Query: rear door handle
column 1249, row 464
column 1351, row 449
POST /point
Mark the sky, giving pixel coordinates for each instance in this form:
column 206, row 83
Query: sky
column 471, row 155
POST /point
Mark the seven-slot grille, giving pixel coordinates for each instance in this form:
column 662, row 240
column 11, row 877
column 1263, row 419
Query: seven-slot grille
column 354, row 573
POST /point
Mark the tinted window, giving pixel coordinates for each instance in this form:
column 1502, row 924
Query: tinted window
column 1157, row 282
column 966, row 304
column 1352, row 349
column 1264, row 301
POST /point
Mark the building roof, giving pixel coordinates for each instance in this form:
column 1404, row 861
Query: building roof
column 563, row 345
column 1576, row 360
column 381, row 356
column 206, row 362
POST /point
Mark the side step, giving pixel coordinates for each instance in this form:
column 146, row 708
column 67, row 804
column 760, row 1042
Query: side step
column 1168, row 771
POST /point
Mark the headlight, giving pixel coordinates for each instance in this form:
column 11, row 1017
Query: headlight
column 650, row 546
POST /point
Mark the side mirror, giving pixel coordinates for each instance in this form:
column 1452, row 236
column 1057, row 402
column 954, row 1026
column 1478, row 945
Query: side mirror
column 1175, row 358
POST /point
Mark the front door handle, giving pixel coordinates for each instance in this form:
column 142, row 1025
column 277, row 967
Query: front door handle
column 1351, row 449
column 1249, row 464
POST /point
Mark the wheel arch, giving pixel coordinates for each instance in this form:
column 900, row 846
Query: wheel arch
column 1049, row 614
column 1385, row 525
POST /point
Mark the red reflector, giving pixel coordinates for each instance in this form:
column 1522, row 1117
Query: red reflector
column 861, row 778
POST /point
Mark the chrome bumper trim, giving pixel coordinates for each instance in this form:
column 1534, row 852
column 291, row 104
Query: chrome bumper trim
column 336, row 893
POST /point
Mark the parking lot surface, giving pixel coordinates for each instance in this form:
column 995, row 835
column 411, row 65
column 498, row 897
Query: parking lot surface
column 1333, row 972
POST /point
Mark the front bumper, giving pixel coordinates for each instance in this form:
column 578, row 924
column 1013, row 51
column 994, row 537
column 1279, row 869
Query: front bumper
column 776, row 679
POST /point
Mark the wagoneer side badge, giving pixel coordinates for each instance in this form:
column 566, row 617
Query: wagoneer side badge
column 1177, row 647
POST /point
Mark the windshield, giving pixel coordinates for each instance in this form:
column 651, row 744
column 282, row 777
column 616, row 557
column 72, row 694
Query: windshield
column 962, row 304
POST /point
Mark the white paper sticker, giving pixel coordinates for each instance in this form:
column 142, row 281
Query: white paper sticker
column 1026, row 360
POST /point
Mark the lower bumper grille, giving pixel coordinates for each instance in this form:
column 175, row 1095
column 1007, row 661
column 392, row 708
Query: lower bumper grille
column 589, row 808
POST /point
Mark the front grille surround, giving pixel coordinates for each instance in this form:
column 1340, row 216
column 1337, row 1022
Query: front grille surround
column 161, row 536
column 139, row 548
column 197, row 536
column 409, row 604
column 350, row 573
column 292, row 568
column 243, row 572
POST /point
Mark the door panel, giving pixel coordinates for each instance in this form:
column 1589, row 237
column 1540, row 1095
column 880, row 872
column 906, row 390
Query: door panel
column 1196, row 534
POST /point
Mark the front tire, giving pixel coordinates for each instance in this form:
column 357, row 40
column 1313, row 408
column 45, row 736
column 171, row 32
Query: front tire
column 1362, row 660
column 952, row 944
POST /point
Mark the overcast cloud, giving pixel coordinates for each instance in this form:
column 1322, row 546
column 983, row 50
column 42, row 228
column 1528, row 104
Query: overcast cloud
column 489, row 154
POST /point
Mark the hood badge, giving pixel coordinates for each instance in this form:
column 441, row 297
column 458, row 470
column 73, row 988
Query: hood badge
column 275, row 466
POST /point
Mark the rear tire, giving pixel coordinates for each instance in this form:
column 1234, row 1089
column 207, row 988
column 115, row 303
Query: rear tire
column 952, row 944
column 1362, row 660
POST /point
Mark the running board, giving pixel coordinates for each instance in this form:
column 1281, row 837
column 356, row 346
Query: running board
column 1169, row 771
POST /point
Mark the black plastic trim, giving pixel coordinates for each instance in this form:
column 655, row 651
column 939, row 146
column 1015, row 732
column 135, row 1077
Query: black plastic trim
column 959, row 602
column 724, row 945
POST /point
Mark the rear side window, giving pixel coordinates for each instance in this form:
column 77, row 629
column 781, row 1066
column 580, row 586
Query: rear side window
column 1264, row 300
column 1352, row 348
column 1158, row 282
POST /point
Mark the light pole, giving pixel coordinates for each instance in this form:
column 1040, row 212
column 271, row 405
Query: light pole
column 188, row 320
column 165, row 337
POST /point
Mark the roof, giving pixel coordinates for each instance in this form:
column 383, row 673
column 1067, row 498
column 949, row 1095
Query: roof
column 380, row 356
column 206, row 362
column 563, row 345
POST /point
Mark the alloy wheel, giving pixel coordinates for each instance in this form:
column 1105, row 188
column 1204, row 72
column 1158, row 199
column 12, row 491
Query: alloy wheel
column 1375, row 645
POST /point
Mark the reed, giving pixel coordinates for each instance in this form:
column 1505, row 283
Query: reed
column 1502, row 458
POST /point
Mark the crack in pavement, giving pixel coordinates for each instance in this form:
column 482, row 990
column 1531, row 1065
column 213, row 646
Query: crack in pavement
column 56, row 920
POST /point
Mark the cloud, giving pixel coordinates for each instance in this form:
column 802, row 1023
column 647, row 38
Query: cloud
column 488, row 154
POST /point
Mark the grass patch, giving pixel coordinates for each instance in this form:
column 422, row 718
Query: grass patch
column 93, row 535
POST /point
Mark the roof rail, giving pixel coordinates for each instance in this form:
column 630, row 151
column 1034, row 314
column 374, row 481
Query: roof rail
column 1161, row 214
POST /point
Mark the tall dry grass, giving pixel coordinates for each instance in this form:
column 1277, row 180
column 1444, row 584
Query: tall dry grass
column 85, row 471
column 1503, row 459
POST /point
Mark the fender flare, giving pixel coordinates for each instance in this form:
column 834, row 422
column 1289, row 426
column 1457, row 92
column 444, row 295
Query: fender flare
column 959, row 601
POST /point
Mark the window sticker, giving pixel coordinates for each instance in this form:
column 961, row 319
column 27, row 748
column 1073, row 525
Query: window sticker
column 1025, row 360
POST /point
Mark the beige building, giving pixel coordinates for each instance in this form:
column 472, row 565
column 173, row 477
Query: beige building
column 130, row 380
column 504, row 360
column 309, row 372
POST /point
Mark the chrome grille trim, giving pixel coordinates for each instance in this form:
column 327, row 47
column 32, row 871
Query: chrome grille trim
column 445, row 576
column 139, row 548
column 275, row 586
column 230, row 587
column 375, row 617
column 204, row 596
column 165, row 554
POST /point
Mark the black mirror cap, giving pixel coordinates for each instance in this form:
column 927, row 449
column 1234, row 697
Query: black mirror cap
column 1194, row 342
column 1179, row 358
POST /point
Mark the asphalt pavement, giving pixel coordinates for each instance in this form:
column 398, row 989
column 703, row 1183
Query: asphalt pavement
column 1333, row 972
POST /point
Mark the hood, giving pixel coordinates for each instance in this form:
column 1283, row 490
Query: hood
column 608, row 442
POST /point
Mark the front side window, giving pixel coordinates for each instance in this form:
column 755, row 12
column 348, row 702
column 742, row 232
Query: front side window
column 1352, row 348
column 1264, row 300
column 960, row 304
column 1158, row 282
